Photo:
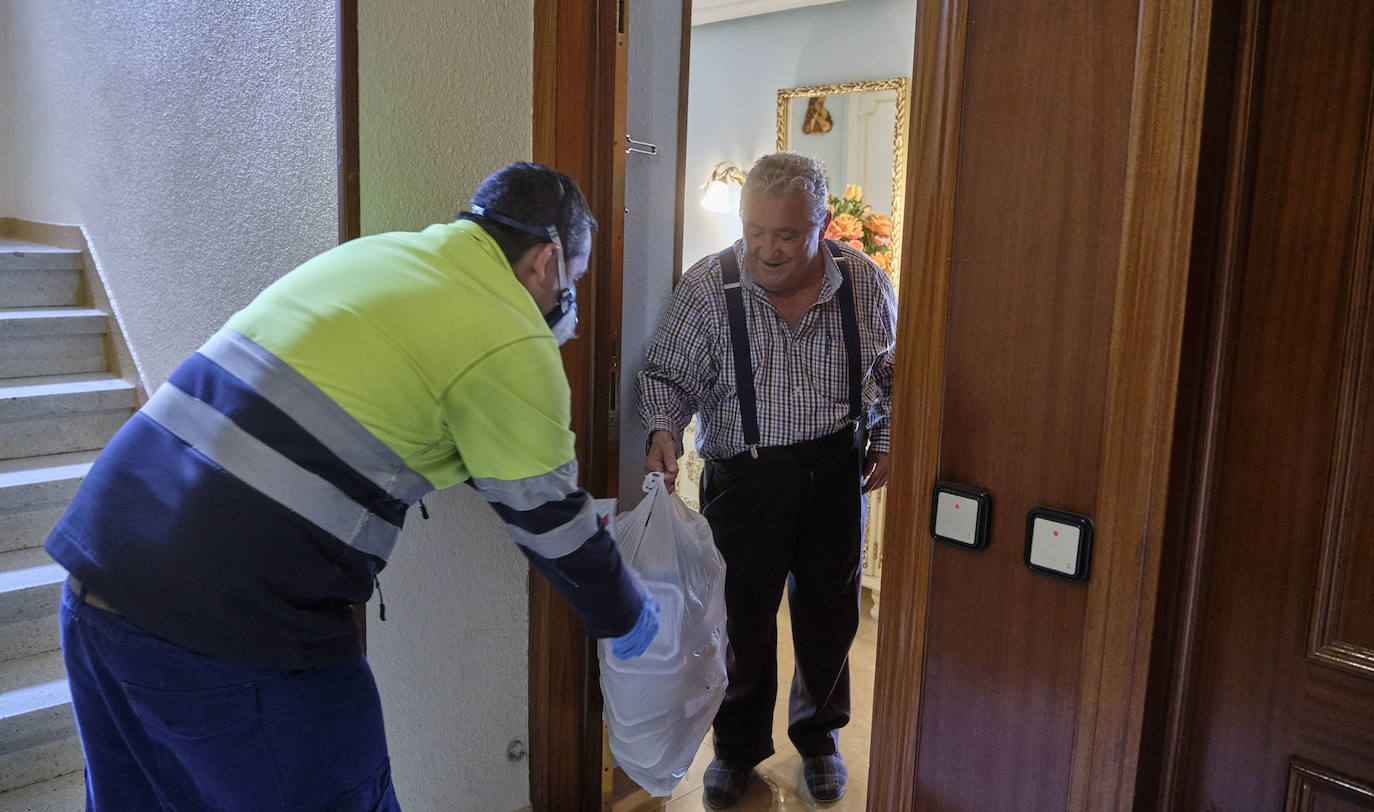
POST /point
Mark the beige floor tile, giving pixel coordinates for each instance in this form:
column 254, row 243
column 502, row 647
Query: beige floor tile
column 777, row 784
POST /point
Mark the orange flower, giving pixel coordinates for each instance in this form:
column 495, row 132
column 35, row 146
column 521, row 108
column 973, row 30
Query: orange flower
column 844, row 227
column 856, row 245
column 882, row 260
column 880, row 225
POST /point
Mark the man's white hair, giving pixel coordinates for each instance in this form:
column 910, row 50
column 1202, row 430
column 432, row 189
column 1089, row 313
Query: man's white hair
column 784, row 173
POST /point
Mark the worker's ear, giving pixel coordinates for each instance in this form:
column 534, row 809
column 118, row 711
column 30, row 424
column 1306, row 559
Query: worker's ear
column 538, row 266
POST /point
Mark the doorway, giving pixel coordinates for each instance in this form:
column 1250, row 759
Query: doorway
column 862, row 86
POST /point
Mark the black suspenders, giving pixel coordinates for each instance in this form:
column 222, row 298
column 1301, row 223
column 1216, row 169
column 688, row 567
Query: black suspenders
column 739, row 343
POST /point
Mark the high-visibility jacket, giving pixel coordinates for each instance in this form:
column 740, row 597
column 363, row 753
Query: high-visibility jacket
column 255, row 496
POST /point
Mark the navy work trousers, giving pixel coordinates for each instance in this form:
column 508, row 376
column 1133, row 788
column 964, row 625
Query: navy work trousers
column 167, row 728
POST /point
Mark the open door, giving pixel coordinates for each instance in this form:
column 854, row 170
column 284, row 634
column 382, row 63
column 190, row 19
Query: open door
column 1273, row 703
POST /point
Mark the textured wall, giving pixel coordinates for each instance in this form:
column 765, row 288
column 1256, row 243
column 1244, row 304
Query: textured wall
column 737, row 67
column 445, row 98
column 193, row 139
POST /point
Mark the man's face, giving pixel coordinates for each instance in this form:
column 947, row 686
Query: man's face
column 781, row 244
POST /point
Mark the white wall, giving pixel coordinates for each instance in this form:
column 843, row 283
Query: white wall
column 651, row 212
column 737, row 68
column 6, row 113
column 194, row 140
column 445, row 97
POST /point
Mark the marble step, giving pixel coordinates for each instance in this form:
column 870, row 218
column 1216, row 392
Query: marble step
column 57, row 414
column 33, row 493
column 51, row 341
column 33, row 275
column 38, row 740
column 30, row 589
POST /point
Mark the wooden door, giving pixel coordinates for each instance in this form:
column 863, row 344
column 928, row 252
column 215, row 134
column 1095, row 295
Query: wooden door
column 1279, row 707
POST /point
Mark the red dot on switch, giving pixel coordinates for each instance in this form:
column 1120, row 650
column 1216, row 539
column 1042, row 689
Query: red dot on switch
column 957, row 505
column 1056, row 532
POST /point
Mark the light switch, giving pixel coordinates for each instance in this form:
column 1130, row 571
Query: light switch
column 1059, row 544
column 961, row 515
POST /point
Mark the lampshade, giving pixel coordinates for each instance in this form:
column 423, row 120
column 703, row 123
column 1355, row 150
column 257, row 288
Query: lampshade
column 717, row 197
column 722, row 192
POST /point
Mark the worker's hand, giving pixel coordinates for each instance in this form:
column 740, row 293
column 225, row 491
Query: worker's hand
column 877, row 469
column 662, row 458
column 637, row 640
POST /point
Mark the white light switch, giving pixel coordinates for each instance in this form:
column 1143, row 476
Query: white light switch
column 961, row 515
column 1059, row 544
column 1054, row 546
column 956, row 518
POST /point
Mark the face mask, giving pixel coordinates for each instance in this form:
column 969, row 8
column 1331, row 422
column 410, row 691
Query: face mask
column 562, row 319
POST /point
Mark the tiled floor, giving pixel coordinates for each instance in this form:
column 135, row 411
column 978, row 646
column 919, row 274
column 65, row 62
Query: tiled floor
column 777, row 783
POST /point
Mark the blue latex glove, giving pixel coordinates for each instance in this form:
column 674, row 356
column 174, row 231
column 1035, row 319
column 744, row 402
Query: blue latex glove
column 634, row 642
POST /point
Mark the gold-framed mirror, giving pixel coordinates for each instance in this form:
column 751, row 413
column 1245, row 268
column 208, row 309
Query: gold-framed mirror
column 858, row 131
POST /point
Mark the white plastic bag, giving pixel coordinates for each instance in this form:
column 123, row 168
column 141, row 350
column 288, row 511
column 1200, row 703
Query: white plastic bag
column 659, row 705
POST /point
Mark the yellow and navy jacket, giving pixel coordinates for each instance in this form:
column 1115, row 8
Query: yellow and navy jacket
column 255, row 496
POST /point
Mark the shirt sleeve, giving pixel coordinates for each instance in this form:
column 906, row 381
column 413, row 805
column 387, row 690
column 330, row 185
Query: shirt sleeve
column 508, row 416
column 880, row 419
column 678, row 365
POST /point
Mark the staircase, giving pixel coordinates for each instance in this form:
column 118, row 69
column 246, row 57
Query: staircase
column 59, row 405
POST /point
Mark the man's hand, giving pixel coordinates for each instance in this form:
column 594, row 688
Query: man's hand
column 877, row 469
column 662, row 458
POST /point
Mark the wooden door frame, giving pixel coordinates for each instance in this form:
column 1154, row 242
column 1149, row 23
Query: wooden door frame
column 1143, row 367
column 578, row 128
column 347, row 158
column 1224, row 184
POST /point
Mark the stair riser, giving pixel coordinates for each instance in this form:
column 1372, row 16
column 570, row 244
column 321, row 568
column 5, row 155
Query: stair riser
column 55, row 288
column 28, row 512
column 52, row 355
column 15, row 409
column 28, row 621
column 22, row 529
column 37, row 746
column 58, row 435
column 11, row 260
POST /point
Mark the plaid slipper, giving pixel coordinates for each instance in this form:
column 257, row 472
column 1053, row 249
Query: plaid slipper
column 724, row 783
column 825, row 777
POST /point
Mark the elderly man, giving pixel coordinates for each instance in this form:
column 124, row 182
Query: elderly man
column 782, row 344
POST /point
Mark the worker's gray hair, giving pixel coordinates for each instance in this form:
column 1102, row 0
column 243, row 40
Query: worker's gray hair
column 785, row 173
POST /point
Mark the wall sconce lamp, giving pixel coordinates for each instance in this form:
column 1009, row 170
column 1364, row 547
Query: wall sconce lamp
column 717, row 195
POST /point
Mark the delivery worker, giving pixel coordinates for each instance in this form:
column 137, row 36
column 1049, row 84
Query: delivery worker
column 220, row 540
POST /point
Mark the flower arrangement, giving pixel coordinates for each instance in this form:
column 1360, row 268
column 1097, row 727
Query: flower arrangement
column 855, row 224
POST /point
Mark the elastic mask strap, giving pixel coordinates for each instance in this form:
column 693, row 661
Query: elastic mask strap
column 545, row 232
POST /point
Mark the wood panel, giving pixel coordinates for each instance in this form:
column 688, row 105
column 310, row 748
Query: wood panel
column 1314, row 789
column 579, row 129
column 1289, row 445
column 1343, row 619
column 1046, row 117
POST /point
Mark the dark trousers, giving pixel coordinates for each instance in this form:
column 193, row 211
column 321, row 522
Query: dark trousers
column 793, row 516
column 167, row 728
